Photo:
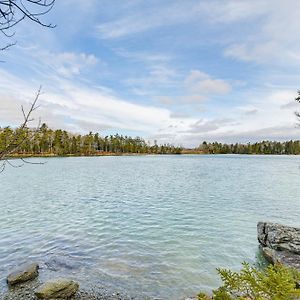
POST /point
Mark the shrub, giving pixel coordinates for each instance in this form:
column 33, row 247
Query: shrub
column 276, row 282
column 203, row 296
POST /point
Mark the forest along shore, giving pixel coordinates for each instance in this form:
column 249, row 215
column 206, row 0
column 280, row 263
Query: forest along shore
column 46, row 142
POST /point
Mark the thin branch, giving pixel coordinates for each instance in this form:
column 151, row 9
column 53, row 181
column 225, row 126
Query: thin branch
column 14, row 166
column 12, row 12
column 32, row 163
column 7, row 46
column 2, row 167
column 296, row 112
column 19, row 140
column 20, row 137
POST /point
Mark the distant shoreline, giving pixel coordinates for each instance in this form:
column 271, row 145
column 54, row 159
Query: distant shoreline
column 47, row 155
column 184, row 152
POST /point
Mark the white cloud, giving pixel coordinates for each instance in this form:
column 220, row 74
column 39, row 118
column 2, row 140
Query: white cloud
column 136, row 22
column 80, row 108
column 197, row 86
column 201, row 83
column 272, row 39
column 68, row 64
column 248, row 109
column 157, row 75
column 205, row 126
column 267, row 35
column 143, row 56
column 176, row 12
column 79, row 105
column 250, row 31
column 231, row 11
column 253, row 52
column 268, row 116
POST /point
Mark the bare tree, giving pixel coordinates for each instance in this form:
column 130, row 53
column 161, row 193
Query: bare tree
column 20, row 136
column 296, row 112
column 12, row 12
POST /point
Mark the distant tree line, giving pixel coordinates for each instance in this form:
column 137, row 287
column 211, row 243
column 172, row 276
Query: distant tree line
column 264, row 147
column 46, row 141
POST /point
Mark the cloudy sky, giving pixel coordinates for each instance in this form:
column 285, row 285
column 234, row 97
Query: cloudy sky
column 175, row 71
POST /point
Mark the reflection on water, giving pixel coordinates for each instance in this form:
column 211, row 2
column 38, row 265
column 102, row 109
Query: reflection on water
column 153, row 225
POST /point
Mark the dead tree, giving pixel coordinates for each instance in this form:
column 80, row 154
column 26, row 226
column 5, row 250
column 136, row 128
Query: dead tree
column 20, row 136
column 296, row 112
column 12, row 12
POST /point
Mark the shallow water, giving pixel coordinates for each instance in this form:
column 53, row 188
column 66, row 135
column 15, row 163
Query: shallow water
column 154, row 226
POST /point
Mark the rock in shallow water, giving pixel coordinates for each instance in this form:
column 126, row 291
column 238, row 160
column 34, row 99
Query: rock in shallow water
column 280, row 244
column 285, row 257
column 23, row 274
column 279, row 237
column 57, row 289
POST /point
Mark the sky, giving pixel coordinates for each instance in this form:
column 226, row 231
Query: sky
column 178, row 72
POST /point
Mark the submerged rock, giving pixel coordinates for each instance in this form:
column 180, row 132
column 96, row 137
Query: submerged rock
column 58, row 263
column 280, row 244
column 23, row 274
column 57, row 289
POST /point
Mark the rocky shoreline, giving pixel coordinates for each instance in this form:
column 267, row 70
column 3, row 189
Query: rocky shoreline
column 26, row 291
column 24, row 283
column 278, row 243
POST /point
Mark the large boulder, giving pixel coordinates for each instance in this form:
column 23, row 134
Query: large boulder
column 23, row 274
column 57, row 289
column 284, row 257
column 279, row 243
column 279, row 237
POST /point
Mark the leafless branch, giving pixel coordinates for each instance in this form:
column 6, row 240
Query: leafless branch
column 13, row 165
column 7, row 46
column 21, row 135
column 296, row 112
column 32, row 163
column 12, row 12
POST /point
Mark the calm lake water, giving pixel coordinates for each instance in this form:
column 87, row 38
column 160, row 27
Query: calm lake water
column 153, row 226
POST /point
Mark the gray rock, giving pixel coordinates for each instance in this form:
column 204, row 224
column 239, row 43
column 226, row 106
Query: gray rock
column 23, row 274
column 279, row 243
column 57, row 289
column 279, row 237
column 59, row 263
column 283, row 257
column 269, row 254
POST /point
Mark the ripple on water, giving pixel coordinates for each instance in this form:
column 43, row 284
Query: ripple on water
column 156, row 226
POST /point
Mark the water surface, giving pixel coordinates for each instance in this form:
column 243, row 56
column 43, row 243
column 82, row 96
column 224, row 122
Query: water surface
column 154, row 226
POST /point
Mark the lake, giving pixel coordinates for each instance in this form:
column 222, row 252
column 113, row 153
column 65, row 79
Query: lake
column 155, row 227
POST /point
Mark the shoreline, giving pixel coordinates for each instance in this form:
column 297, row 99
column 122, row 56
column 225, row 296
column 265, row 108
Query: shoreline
column 24, row 156
column 26, row 291
column 267, row 234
